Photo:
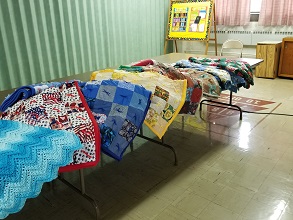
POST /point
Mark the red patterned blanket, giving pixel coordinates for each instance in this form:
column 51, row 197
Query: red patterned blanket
column 62, row 108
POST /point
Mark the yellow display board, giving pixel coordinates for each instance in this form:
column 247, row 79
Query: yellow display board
column 190, row 20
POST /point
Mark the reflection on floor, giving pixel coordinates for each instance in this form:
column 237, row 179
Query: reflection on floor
column 227, row 170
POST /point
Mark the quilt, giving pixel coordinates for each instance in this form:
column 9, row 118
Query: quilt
column 213, row 79
column 29, row 157
column 237, row 69
column 205, row 76
column 119, row 108
column 62, row 108
column 26, row 92
column 168, row 96
column 195, row 87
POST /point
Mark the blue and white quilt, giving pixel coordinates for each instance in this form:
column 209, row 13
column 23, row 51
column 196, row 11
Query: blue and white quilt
column 119, row 108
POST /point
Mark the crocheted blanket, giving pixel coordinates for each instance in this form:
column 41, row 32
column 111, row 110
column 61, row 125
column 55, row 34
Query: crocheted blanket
column 168, row 96
column 62, row 108
column 119, row 108
column 30, row 156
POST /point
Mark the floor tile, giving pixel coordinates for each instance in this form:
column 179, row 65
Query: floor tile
column 206, row 189
column 286, row 216
column 232, row 199
column 267, row 151
column 149, row 207
column 250, row 177
column 259, row 210
column 191, row 203
column 289, row 206
column 168, row 190
column 282, row 136
column 217, row 212
column 229, row 164
column 276, row 187
column 185, row 178
column 173, row 213
column 218, row 175
column 237, row 155
column 266, row 164
column 283, row 169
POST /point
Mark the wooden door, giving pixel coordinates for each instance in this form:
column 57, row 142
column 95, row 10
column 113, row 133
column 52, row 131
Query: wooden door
column 287, row 64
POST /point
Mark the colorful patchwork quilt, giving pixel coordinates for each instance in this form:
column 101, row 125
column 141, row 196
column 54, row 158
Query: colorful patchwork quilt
column 214, row 80
column 237, row 69
column 168, row 96
column 29, row 157
column 119, row 108
column 209, row 84
column 62, row 108
column 205, row 76
column 194, row 85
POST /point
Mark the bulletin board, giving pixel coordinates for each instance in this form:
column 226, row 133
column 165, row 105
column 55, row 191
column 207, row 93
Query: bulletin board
column 190, row 20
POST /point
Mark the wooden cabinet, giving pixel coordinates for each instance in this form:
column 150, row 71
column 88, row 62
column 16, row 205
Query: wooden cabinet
column 269, row 51
column 286, row 59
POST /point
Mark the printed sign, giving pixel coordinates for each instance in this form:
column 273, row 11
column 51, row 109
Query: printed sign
column 247, row 104
column 190, row 20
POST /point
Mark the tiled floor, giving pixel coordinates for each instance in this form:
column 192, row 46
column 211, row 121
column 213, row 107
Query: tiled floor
column 227, row 170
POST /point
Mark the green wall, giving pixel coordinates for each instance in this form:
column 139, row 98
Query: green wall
column 41, row 40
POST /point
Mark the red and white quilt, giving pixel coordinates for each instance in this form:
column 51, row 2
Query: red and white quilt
column 62, row 108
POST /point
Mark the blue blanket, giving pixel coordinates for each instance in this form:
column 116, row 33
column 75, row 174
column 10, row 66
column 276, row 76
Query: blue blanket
column 30, row 156
column 120, row 109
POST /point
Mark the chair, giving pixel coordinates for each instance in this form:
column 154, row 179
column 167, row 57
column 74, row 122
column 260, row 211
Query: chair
column 233, row 47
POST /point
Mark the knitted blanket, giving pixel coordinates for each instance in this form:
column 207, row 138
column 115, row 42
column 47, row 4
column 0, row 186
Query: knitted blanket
column 119, row 108
column 62, row 108
column 168, row 96
column 30, row 156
